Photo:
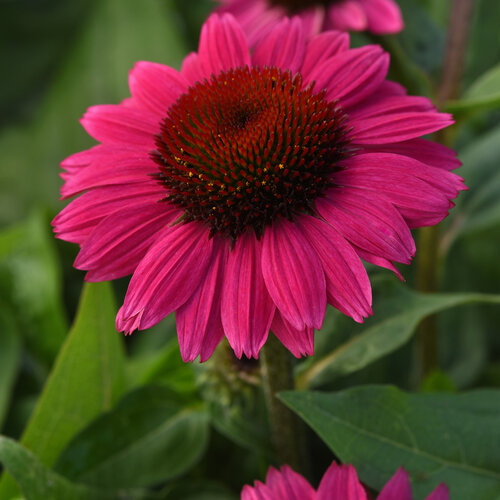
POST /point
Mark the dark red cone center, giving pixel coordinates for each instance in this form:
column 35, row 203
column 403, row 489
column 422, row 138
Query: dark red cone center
column 248, row 146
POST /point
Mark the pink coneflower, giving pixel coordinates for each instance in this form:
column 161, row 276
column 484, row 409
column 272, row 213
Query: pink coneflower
column 257, row 17
column 340, row 482
column 242, row 191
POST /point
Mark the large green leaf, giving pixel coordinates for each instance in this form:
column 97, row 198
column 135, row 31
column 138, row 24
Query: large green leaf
column 150, row 437
column 396, row 316
column 87, row 379
column 436, row 437
column 31, row 285
column 10, row 354
column 116, row 35
column 37, row 482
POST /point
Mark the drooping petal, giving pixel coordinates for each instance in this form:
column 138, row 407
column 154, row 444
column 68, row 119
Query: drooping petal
column 322, row 47
column 119, row 242
column 223, row 45
column 284, row 47
column 298, row 342
column 293, row 275
column 168, row 274
column 368, row 221
column 398, row 487
column 117, row 124
column 127, row 169
column 431, row 153
column 77, row 220
column 247, row 308
column 341, row 481
column 351, row 76
column 440, row 493
column 421, row 193
column 398, row 127
column 156, row 86
column 199, row 325
column 347, row 284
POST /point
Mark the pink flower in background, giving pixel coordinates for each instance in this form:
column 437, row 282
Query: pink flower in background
column 242, row 191
column 340, row 482
column 257, row 17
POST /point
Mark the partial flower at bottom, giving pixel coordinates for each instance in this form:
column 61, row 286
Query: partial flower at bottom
column 340, row 482
column 243, row 191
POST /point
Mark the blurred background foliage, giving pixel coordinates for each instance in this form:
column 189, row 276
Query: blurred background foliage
column 88, row 414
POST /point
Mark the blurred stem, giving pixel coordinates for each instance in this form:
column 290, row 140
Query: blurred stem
column 429, row 237
column 287, row 429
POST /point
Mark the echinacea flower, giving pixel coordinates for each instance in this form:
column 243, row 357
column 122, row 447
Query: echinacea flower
column 257, row 17
column 242, row 191
column 340, row 482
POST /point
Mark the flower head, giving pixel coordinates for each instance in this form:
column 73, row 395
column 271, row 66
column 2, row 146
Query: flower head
column 242, row 191
column 339, row 482
column 257, row 17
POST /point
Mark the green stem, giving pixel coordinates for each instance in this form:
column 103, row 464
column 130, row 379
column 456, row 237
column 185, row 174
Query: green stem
column 277, row 371
column 429, row 237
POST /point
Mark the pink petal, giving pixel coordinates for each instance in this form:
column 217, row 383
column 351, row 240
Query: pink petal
column 378, row 106
column 313, row 20
column 125, row 169
column 431, row 153
column 293, row 275
column 288, row 485
column 346, row 16
column 168, row 275
column 119, row 242
column 156, row 86
column 420, row 192
column 369, row 222
column 298, row 342
column 397, row 127
column 341, row 481
column 117, row 124
column 199, row 325
column 384, row 16
column 440, row 493
column 283, row 47
column 322, row 47
column 77, row 220
column 192, row 69
column 378, row 261
column 351, row 76
column 247, row 308
column 347, row 285
column 222, row 45
column 398, row 487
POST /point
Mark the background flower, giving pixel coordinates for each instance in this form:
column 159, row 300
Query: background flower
column 258, row 16
column 242, row 191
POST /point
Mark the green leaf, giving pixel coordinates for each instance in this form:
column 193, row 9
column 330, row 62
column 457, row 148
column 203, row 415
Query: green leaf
column 86, row 380
column 10, row 355
column 150, row 437
column 199, row 491
column 483, row 93
column 116, row 34
column 31, row 284
column 37, row 482
column 436, row 437
column 395, row 319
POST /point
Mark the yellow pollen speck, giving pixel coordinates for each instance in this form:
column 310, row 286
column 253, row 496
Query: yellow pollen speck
column 281, row 166
column 190, row 174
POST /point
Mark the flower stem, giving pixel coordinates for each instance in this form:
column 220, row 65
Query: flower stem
column 429, row 237
column 277, row 371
